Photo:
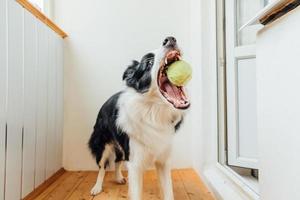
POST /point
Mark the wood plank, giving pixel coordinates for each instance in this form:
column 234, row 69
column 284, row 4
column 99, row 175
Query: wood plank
column 43, row 18
column 110, row 188
column 194, row 187
column 178, row 187
column 77, row 186
column 52, row 181
column 65, row 187
column 151, row 186
column 82, row 192
column 123, row 192
column 52, row 187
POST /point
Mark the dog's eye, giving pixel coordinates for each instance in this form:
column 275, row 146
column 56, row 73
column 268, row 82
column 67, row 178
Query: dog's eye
column 149, row 64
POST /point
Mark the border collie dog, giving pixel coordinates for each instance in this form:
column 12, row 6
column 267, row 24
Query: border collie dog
column 138, row 124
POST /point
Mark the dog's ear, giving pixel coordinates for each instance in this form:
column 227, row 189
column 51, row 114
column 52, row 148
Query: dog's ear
column 137, row 78
column 130, row 71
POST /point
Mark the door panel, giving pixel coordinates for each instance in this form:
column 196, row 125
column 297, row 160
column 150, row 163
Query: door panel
column 58, row 100
column 3, row 92
column 60, row 96
column 247, row 144
column 30, row 93
column 42, row 104
column 241, row 83
column 15, row 101
column 56, row 138
column 51, row 143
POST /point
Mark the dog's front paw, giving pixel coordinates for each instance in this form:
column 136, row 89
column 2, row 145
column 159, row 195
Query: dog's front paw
column 96, row 190
column 121, row 181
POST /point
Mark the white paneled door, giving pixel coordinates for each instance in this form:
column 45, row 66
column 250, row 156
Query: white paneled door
column 241, row 83
column 31, row 101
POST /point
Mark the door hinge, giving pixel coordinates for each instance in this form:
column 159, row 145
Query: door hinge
column 222, row 62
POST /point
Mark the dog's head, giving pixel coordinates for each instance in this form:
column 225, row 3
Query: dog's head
column 149, row 75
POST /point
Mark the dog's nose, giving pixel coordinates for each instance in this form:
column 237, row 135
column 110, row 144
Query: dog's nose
column 169, row 42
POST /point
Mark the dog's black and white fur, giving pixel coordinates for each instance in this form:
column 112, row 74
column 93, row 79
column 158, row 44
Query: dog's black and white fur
column 138, row 123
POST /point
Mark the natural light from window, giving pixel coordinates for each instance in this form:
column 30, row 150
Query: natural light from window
column 39, row 4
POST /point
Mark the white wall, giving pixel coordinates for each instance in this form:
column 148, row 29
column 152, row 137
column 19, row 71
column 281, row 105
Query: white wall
column 278, row 75
column 204, row 83
column 104, row 36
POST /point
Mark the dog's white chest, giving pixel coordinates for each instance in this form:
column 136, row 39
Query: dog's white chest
column 152, row 125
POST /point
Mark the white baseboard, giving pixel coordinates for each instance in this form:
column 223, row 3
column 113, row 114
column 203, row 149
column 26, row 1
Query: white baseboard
column 227, row 185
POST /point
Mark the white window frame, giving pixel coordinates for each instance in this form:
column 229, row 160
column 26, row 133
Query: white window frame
column 224, row 182
column 236, row 52
column 222, row 164
column 45, row 6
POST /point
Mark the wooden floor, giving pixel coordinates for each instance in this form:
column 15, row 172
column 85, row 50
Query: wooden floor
column 77, row 186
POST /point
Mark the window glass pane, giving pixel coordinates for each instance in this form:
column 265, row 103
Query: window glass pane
column 246, row 9
column 39, row 4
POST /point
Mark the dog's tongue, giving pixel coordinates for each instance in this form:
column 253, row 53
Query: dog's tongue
column 174, row 93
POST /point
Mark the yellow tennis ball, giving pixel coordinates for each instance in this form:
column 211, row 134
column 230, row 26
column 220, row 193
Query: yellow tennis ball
column 179, row 73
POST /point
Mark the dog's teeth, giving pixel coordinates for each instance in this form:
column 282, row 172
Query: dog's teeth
column 166, row 61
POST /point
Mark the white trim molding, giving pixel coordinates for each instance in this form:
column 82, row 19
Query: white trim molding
column 272, row 8
column 227, row 185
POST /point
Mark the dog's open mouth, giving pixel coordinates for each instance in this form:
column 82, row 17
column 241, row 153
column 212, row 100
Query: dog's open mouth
column 176, row 95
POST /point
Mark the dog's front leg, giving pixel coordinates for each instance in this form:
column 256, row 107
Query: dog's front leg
column 135, row 171
column 135, row 178
column 164, row 173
